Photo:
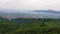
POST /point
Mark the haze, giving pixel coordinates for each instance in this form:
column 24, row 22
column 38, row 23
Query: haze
column 30, row 4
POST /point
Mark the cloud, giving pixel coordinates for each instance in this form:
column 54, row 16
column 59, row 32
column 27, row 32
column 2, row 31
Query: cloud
column 30, row 4
column 40, row 4
column 10, row 4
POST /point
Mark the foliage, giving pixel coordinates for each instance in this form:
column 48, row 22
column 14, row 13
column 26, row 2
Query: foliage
column 29, row 26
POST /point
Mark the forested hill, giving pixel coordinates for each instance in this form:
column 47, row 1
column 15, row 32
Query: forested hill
column 29, row 26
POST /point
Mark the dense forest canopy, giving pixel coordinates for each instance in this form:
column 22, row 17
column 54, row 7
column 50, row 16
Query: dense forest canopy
column 29, row 26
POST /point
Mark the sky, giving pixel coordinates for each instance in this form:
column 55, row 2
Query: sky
column 30, row 4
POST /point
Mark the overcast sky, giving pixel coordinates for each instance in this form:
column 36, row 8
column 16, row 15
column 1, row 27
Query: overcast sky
column 30, row 4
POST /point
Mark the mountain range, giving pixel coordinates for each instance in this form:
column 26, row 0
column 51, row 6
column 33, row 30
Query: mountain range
column 10, row 14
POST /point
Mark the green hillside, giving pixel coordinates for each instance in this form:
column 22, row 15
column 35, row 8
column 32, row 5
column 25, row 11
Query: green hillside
column 29, row 26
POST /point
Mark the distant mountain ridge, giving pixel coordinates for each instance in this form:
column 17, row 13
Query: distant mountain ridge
column 47, row 11
column 51, row 14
